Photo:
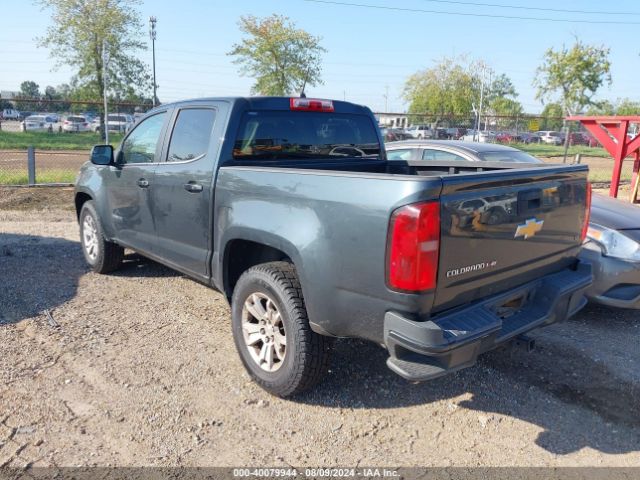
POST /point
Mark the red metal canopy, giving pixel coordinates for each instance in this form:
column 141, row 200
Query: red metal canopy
column 611, row 132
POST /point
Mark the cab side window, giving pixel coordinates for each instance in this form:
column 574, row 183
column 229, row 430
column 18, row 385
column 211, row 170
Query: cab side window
column 191, row 134
column 140, row 146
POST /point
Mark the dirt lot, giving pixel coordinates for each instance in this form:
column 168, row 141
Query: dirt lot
column 139, row 368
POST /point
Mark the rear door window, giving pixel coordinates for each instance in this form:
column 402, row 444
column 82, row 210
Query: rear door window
column 441, row 156
column 191, row 134
column 268, row 134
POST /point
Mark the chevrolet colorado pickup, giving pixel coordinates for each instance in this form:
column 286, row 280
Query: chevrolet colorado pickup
column 289, row 207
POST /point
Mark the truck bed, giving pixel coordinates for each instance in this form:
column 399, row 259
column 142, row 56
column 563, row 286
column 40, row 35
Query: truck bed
column 345, row 207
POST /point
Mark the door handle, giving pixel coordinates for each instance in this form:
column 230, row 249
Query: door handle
column 142, row 183
column 193, row 187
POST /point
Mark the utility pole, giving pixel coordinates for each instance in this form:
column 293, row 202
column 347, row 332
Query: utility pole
column 386, row 99
column 152, row 34
column 105, row 69
column 480, row 107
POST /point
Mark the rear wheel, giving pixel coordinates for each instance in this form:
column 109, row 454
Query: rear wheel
column 272, row 333
column 101, row 255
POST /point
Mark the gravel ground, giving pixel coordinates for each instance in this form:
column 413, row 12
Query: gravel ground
column 139, row 368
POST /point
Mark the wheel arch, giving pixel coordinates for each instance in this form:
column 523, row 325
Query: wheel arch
column 80, row 199
column 240, row 254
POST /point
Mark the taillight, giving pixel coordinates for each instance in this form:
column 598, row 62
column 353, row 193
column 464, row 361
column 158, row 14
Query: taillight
column 311, row 105
column 587, row 213
column 414, row 241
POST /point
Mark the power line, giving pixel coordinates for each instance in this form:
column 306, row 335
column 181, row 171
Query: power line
column 486, row 15
column 541, row 9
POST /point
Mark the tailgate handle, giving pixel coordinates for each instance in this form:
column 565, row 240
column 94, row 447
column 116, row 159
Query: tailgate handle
column 529, row 200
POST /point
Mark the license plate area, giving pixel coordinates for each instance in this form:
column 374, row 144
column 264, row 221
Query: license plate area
column 512, row 305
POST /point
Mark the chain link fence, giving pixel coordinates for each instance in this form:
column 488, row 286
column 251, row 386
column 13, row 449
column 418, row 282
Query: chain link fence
column 40, row 167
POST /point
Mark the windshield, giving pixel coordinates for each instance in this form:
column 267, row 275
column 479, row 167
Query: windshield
column 77, row 119
column 305, row 135
column 508, row 156
column 116, row 118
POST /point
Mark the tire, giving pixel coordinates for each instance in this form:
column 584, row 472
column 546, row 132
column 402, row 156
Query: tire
column 267, row 307
column 101, row 255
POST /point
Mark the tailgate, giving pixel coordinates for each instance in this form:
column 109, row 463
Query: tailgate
column 500, row 229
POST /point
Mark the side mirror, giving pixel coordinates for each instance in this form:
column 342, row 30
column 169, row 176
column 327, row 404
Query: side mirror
column 102, row 155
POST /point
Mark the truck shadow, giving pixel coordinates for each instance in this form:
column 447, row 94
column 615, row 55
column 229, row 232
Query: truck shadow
column 30, row 274
column 41, row 273
column 577, row 401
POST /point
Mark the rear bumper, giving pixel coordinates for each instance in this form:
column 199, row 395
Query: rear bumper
column 452, row 341
column 616, row 283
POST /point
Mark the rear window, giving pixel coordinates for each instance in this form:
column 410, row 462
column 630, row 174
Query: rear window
column 305, row 135
column 76, row 119
column 508, row 156
column 117, row 118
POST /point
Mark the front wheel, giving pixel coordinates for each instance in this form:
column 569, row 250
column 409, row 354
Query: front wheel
column 272, row 333
column 101, row 255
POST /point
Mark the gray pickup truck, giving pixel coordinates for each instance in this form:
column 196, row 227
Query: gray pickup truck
column 289, row 207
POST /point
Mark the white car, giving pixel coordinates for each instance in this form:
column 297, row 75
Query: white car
column 119, row 122
column 482, row 137
column 75, row 123
column 420, row 131
column 550, row 136
column 38, row 123
column 10, row 114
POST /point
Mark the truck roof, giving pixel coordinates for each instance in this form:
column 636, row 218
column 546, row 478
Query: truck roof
column 269, row 103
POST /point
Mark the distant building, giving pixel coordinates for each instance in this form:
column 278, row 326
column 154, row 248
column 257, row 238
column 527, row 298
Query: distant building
column 393, row 120
column 8, row 95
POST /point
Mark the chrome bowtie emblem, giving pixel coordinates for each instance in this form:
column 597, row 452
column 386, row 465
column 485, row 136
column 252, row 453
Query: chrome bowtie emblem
column 529, row 228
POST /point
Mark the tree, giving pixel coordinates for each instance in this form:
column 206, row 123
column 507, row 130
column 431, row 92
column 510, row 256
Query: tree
column 573, row 75
column 604, row 107
column 552, row 117
column 29, row 91
column 507, row 107
column 83, row 31
column 450, row 88
column 627, row 106
column 281, row 58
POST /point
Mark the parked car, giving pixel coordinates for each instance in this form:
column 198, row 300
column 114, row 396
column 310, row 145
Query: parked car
column 289, row 207
column 400, row 134
column 421, row 131
column 613, row 248
column 75, row 123
column 581, row 138
column 39, row 123
column 550, row 136
column 388, row 135
column 508, row 137
column 24, row 115
column 10, row 114
column 455, row 133
column 119, row 122
column 528, row 137
column 612, row 245
column 478, row 136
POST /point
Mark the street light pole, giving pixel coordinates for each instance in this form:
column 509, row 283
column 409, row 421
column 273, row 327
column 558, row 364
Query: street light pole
column 105, row 64
column 152, row 34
